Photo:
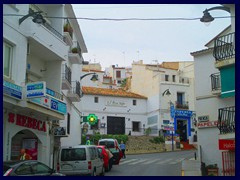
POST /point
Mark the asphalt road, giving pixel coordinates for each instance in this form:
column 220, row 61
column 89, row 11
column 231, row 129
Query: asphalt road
column 156, row 164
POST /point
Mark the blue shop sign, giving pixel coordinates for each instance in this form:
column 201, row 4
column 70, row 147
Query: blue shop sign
column 185, row 113
column 12, row 90
column 58, row 106
column 36, row 89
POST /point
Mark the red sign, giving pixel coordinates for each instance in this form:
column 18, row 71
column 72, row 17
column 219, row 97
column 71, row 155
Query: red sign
column 26, row 121
column 207, row 124
column 226, row 144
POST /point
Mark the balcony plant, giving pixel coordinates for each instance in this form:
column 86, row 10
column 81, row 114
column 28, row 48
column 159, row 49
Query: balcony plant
column 74, row 50
column 67, row 28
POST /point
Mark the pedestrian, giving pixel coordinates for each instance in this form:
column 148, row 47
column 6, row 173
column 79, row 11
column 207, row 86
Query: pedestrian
column 23, row 155
column 110, row 157
column 88, row 142
column 123, row 148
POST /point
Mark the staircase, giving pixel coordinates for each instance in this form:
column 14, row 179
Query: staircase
column 186, row 145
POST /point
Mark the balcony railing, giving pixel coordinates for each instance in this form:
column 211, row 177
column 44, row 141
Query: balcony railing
column 226, row 120
column 74, row 94
column 182, row 105
column 224, row 47
column 66, row 77
column 215, row 81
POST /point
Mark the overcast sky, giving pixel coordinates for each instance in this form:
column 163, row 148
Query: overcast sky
column 122, row 42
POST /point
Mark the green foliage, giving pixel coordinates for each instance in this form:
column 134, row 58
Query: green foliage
column 94, row 138
column 148, row 131
column 124, row 82
column 157, row 140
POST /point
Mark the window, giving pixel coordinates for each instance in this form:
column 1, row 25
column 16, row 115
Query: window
column 166, row 77
column 180, row 97
column 119, row 82
column 7, row 56
column 174, row 78
column 118, row 74
column 96, row 99
column 68, row 123
column 135, row 126
column 134, row 102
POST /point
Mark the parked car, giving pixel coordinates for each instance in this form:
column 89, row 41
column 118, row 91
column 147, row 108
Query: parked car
column 114, row 147
column 27, row 168
column 81, row 160
column 104, row 154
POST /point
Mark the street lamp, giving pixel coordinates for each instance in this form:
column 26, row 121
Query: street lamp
column 93, row 78
column 207, row 18
column 37, row 17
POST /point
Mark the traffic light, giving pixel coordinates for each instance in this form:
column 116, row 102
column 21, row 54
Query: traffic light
column 92, row 119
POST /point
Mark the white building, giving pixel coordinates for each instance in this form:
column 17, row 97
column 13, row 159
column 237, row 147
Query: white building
column 169, row 87
column 32, row 99
column 215, row 100
column 118, row 111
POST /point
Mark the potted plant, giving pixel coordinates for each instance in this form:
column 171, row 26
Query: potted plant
column 212, row 170
column 67, row 28
column 74, row 50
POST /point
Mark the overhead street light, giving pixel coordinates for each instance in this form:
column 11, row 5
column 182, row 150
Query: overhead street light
column 93, row 78
column 37, row 17
column 207, row 18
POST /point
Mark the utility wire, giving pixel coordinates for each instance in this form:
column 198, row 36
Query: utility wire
column 126, row 19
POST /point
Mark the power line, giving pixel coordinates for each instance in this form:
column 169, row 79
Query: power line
column 126, row 19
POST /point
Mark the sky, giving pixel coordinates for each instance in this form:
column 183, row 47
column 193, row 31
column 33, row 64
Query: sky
column 121, row 43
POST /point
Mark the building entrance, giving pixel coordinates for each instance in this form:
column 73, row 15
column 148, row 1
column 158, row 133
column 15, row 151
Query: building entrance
column 115, row 125
column 182, row 129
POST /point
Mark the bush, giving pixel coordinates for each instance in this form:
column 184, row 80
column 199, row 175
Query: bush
column 157, row 140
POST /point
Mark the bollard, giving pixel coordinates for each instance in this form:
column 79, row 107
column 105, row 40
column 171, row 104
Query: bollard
column 195, row 155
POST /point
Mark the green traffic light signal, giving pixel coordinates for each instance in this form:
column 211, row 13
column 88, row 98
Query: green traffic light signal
column 92, row 119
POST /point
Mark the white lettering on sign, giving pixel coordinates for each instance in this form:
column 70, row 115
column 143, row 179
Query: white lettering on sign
column 115, row 103
column 207, row 124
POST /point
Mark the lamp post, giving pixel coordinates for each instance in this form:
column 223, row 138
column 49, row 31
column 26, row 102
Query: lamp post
column 37, row 17
column 94, row 77
column 207, row 18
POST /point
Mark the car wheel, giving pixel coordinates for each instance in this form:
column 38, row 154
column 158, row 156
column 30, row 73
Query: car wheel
column 103, row 171
column 94, row 173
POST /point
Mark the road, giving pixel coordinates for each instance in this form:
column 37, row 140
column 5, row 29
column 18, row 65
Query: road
column 156, row 164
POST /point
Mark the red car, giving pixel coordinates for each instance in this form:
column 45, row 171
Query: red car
column 104, row 153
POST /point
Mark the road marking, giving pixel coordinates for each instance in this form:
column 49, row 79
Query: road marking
column 149, row 162
column 165, row 161
column 127, row 161
column 138, row 162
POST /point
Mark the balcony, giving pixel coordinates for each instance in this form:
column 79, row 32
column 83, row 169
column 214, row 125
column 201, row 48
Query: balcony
column 226, row 120
column 74, row 93
column 216, row 83
column 224, row 50
column 181, row 105
column 66, row 77
column 75, row 55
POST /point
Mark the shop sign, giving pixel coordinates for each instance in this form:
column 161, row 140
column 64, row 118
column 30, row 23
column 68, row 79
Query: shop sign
column 207, row 124
column 185, row 113
column 226, row 144
column 203, row 118
column 12, row 90
column 25, row 121
column 115, row 103
column 36, row 89
column 60, row 131
column 51, row 103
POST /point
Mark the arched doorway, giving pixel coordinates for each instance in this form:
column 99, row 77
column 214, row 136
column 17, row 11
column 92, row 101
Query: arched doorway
column 25, row 139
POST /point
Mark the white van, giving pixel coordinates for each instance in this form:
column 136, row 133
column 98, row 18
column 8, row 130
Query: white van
column 80, row 160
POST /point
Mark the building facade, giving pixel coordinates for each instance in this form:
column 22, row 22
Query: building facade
column 215, row 100
column 32, row 98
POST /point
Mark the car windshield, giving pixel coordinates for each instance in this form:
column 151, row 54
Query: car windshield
column 109, row 144
column 78, row 154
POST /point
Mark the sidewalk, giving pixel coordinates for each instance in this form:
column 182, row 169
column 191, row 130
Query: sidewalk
column 191, row 167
